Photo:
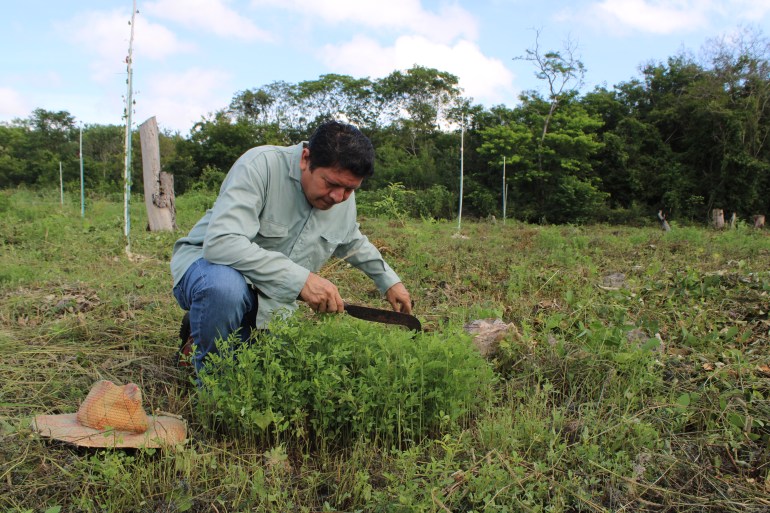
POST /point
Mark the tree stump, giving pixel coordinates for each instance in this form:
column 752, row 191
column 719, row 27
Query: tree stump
column 663, row 223
column 488, row 333
column 718, row 218
column 158, row 185
column 759, row 221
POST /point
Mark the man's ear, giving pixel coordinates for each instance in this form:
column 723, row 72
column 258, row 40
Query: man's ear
column 304, row 162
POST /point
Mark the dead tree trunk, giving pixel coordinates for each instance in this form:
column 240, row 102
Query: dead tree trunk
column 759, row 221
column 158, row 185
column 718, row 218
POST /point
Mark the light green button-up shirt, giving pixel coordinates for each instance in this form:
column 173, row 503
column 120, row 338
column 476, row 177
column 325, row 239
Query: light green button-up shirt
column 262, row 225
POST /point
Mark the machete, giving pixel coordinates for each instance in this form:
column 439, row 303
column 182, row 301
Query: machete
column 384, row 316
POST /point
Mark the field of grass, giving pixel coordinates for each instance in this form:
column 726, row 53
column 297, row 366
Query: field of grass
column 639, row 379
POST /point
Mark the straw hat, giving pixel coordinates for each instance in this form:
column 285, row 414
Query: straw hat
column 112, row 416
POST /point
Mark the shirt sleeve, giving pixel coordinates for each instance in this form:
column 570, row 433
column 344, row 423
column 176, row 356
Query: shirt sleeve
column 361, row 253
column 235, row 223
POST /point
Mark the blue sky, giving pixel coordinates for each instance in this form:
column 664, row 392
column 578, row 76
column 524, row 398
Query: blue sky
column 191, row 56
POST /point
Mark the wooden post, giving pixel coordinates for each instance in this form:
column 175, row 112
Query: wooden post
column 718, row 218
column 759, row 221
column 129, row 124
column 158, row 185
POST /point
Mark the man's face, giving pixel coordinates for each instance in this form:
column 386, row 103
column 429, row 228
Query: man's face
column 324, row 187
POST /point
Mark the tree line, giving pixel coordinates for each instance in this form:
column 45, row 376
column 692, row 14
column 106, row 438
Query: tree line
column 688, row 135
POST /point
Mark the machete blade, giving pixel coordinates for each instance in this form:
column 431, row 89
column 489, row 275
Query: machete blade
column 384, row 316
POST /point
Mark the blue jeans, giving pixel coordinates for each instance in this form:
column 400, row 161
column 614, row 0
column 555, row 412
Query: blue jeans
column 220, row 302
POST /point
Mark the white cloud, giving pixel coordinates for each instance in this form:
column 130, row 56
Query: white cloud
column 106, row 35
column 485, row 79
column 178, row 100
column 12, row 104
column 449, row 22
column 442, row 38
column 669, row 16
column 209, row 15
column 750, row 10
column 656, row 16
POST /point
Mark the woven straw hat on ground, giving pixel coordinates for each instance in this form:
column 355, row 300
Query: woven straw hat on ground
column 112, row 416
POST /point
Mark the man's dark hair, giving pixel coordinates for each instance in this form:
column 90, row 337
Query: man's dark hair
column 339, row 145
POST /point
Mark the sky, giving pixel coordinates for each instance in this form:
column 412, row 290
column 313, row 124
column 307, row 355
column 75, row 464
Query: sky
column 190, row 57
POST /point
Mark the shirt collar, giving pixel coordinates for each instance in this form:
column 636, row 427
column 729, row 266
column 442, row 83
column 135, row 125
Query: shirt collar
column 294, row 171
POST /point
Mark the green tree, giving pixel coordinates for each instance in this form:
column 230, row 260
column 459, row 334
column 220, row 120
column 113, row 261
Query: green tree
column 274, row 104
column 215, row 144
column 505, row 145
column 52, row 138
column 563, row 75
column 335, row 96
column 544, row 167
column 713, row 121
column 734, row 101
column 104, row 156
column 13, row 164
column 417, row 100
column 631, row 150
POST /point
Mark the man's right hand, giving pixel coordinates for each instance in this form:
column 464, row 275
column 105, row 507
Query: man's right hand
column 321, row 295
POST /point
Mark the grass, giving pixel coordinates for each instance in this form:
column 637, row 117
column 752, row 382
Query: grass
column 640, row 380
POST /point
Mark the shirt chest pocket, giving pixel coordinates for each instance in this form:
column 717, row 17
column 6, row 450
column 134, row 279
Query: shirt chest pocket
column 326, row 244
column 271, row 235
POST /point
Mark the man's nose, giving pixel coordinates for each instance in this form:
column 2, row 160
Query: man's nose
column 337, row 194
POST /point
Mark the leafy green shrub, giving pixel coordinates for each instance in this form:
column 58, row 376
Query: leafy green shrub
column 479, row 200
column 210, row 180
column 435, row 202
column 576, row 201
column 391, row 202
column 341, row 379
column 635, row 215
column 397, row 202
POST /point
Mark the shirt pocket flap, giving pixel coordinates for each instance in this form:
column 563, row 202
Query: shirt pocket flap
column 332, row 238
column 272, row 229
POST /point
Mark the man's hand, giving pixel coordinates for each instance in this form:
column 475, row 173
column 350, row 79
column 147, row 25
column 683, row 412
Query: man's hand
column 399, row 299
column 321, row 295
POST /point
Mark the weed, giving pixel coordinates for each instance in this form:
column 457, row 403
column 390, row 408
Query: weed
column 339, row 380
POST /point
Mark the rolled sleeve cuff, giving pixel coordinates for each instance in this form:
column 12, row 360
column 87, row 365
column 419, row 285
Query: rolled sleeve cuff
column 387, row 279
column 288, row 286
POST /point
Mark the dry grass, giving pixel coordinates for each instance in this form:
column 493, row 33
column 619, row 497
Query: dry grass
column 587, row 420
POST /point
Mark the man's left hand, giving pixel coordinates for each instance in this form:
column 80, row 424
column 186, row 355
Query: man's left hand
column 399, row 299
